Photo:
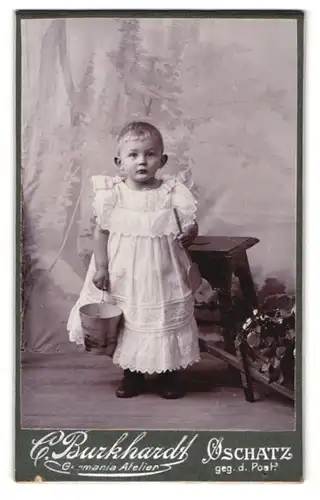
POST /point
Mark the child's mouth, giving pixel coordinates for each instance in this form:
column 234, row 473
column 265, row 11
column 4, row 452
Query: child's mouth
column 142, row 171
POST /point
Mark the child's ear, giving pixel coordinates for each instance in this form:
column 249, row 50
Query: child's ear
column 117, row 161
column 164, row 160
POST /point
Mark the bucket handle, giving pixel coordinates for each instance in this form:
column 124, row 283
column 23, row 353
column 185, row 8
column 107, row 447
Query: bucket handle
column 102, row 301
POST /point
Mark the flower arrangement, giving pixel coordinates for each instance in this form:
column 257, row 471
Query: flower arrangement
column 269, row 340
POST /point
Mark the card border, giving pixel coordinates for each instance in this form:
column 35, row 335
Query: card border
column 23, row 436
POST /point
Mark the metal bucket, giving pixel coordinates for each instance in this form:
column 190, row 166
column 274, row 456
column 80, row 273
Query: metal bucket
column 100, row 323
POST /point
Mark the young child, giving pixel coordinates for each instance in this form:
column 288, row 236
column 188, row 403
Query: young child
column 140, row 261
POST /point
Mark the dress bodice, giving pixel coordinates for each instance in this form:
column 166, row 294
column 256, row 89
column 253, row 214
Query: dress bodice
column 121, row 209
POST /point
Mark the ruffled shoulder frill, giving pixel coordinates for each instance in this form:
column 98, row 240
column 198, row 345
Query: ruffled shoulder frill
column 147, row 213
column 183, row 177
column 182, row 191
column 104, row 182
column 105, row 197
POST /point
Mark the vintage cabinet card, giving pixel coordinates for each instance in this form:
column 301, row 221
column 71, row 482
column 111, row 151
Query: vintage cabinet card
column 159, row 222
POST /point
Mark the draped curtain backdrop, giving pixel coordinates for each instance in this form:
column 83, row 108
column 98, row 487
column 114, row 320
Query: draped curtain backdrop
column 222, row 91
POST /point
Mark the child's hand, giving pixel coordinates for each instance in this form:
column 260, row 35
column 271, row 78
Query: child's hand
column 186, row 238
column 101, row 279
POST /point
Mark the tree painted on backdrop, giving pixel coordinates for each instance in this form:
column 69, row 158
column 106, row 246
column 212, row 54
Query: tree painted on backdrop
column 151, row 85
column 52, row 163
column 43, row 147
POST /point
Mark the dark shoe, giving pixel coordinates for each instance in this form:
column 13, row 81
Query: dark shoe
column 131, row 385
column 170, row 387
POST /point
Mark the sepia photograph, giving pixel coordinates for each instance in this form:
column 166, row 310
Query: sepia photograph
column 159, row 180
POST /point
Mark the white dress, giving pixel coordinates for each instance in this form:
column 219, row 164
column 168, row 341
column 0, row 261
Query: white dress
column 148, row 279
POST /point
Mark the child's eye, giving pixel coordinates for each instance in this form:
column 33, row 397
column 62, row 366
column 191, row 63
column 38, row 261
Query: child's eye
column 132, row 155
column 150, row 153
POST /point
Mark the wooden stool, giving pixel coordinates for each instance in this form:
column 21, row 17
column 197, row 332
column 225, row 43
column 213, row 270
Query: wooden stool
column 219, row 258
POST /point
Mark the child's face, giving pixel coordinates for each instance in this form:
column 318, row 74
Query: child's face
column 140, row 157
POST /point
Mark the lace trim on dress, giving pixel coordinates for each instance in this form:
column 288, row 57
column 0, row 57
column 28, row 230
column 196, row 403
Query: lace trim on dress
column 117, row 212
column 150, row 319
column 105, row 197
column 183, row 177
column 185, row 204
column 152, row 224
column 104, row 182
column 76, row 335
column 150, row 354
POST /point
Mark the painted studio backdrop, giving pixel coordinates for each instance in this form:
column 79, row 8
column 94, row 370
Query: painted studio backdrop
column 223, row 92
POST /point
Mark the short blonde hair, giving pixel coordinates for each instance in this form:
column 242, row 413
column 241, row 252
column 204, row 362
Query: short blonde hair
column 138, row 129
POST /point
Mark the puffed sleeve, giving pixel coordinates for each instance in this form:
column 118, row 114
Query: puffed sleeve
column 185, row 203
column 105, row 198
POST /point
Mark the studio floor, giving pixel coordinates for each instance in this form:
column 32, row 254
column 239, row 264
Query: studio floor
column 77, row 390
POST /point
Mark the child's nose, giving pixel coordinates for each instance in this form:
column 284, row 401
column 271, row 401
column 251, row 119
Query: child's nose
column 142, row 160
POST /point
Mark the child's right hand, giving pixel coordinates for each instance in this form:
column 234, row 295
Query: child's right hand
column 101, row 279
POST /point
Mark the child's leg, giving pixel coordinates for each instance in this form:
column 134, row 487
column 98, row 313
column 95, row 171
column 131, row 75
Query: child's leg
column 170, row 385
column 131, row 384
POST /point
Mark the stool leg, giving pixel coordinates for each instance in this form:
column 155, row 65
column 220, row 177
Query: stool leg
column 243, row 273
column 227, row 317
column 246, row 379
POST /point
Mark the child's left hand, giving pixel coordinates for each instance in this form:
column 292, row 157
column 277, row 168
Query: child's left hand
column 186, row 238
